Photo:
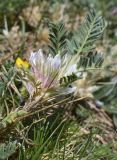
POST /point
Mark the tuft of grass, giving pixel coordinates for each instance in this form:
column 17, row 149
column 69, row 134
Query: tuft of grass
column 67, row 143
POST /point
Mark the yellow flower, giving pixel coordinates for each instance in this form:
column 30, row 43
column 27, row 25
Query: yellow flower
column 22, row 63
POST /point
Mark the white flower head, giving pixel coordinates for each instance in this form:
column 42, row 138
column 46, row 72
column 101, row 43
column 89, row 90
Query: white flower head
column 49, row 70
column 45, row 69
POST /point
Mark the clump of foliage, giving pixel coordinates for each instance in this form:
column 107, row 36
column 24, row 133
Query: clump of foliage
column 41, row 96
column 39, row 91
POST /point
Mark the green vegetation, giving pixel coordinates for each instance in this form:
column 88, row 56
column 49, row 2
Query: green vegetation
column 58, row 80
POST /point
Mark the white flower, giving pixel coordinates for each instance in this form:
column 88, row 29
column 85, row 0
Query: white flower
column 49, row 70
column 45, row 69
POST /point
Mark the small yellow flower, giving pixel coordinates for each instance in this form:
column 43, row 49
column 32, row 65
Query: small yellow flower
column 20, row 63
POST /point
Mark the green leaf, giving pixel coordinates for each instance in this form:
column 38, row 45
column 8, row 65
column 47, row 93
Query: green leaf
column 84, row 40
column 89, row 32
column 93, row 59
column 65, row 81
column 57, row 38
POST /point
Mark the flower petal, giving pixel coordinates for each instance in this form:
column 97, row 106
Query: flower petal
column 57, row 61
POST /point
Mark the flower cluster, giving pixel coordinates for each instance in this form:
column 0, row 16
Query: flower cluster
column 47, row 71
